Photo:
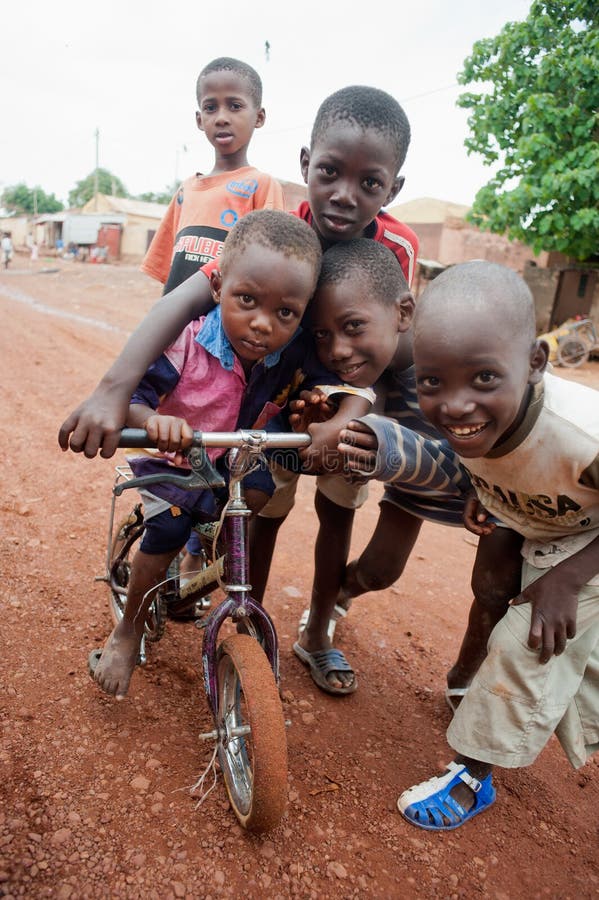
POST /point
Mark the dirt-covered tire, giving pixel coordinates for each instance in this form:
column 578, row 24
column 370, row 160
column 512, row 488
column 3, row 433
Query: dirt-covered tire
column 126, row 537
column 572, row 352
column 254, row 765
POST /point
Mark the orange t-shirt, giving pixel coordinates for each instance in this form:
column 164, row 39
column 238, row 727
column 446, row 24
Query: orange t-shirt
column 200, row 215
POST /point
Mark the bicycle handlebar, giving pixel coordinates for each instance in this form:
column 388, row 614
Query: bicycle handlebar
column 138, row 438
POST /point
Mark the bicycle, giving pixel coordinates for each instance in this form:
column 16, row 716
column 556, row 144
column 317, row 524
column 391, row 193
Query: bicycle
column 572, row 343
column 241, row 673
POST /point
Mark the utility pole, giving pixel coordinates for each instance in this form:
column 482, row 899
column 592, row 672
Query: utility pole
column 97, row 136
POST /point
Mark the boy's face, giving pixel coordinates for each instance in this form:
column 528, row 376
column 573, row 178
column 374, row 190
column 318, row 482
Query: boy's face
column 473, row 380
column 351, row 174
column 357, row 337
column 227, row 113
column 263, row 295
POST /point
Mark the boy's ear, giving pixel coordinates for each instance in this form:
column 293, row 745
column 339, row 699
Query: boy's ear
column 260, row 117
column 199, row 120
column 405, row 311
column 395, row 189
column 216, row 282
column 539, row 357
column 304, row 163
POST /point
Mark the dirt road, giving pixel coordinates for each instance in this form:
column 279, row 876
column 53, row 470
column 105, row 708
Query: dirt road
column 94, row 797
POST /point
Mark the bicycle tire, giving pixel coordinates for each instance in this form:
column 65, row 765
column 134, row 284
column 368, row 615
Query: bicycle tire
column 128, row 533
column 572, row 352
column 254, row 765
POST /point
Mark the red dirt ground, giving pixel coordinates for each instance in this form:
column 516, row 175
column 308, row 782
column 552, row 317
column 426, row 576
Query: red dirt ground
column 94, row 799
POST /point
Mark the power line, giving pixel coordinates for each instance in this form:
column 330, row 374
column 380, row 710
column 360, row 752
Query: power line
column 447, row 87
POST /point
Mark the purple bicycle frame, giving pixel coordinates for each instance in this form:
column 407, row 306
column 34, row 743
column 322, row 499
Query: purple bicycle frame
column 238, row 604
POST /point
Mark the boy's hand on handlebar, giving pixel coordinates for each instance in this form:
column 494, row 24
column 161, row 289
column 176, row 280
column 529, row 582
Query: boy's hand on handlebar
column 95, row 425
column 170, row 434
column 475, row 516
column 358, row 445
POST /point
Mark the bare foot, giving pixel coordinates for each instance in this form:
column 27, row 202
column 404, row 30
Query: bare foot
column 335, row 679
column 118, row 660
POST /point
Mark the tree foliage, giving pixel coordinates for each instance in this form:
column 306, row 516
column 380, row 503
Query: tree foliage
column 156, row 196
column 536, row 116
column 107, row 184
column 19, row 198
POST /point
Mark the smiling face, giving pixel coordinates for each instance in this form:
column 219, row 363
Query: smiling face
column 473, row 377
column 228, row 114
column 351, row 172
column 263, row 295
column 357, row 337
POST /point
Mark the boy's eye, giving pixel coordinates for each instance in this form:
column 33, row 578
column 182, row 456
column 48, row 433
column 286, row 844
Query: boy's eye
column 246, row 299
column 236, row 106
column 354, row 325
column 428, row 381
column 328, row 171
column 319, row 334
column 208, row 107
column 486, row 378
column 372, row 184
column 286, row 313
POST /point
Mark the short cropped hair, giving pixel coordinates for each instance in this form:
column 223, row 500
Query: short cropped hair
column 480, row 287
column 366, row 107
column 276, row 230
column 366, row 260
column 228, row 64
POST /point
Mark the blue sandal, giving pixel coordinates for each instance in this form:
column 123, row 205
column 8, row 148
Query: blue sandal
column 429, row 805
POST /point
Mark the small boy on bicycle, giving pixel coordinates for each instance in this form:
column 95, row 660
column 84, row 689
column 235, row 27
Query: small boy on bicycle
column 234, row 368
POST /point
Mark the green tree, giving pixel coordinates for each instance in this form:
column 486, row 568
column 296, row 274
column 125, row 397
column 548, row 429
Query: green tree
column 107, row 184
column 19, row 198
column 156, row 196
column 536, row 117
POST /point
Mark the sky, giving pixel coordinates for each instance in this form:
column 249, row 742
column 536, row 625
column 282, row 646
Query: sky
column 129, row 69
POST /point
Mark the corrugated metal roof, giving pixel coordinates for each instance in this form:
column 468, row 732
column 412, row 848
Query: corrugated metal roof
column 129, row 207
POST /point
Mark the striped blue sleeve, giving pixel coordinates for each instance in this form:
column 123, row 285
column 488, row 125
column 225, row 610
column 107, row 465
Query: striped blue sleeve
column 407, row 458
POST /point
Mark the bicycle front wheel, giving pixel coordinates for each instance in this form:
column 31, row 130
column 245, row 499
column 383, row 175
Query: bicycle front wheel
column 252, row 746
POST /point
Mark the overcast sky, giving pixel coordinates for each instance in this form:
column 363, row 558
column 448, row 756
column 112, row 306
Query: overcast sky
column 129, row 69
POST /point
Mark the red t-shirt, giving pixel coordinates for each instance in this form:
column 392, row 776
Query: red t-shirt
column 400, row 239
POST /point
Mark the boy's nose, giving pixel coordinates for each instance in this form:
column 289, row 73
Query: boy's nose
column 340, row 348
column 344, row 194
column 262, row 323
column 458, row 405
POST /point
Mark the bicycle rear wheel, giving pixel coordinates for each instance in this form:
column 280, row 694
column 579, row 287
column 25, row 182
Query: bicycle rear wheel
column 252, row 746
column 127, row 535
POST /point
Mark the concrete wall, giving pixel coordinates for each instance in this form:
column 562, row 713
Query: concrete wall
column 543, row 285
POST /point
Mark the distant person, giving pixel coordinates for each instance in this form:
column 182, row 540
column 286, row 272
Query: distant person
column 6, row 248
column 530, row 442
column 34, row 252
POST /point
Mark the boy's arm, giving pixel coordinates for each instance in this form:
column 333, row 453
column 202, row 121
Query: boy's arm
column 378, row 447
column 554, row 601
column 96, row 423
